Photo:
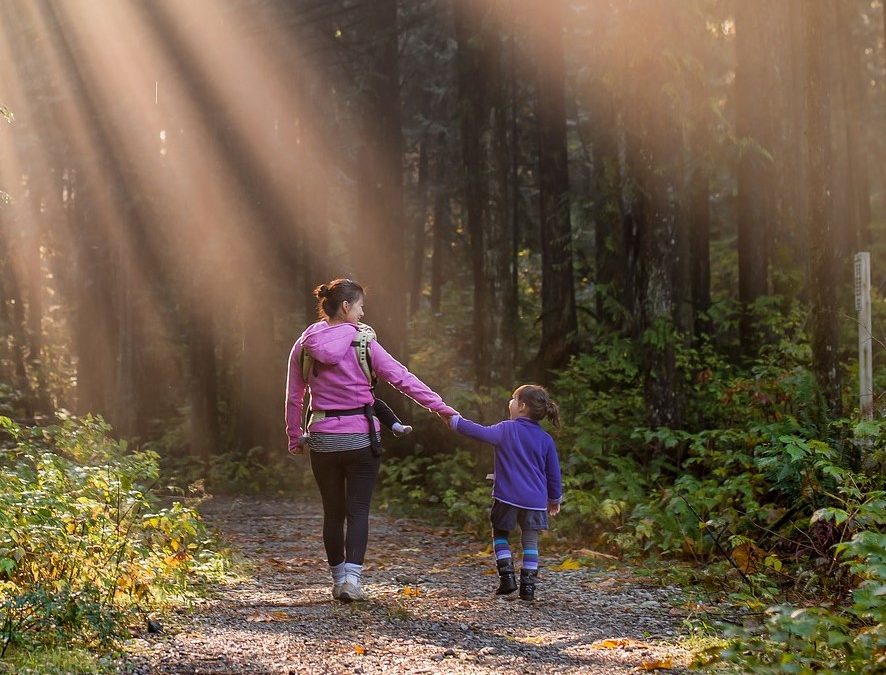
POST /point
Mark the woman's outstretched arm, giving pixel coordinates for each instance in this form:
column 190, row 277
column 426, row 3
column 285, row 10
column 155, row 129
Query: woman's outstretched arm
column 395, row 373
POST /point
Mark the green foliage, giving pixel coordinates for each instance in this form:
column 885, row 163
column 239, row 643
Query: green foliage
column 85, row 547
column 451, row 485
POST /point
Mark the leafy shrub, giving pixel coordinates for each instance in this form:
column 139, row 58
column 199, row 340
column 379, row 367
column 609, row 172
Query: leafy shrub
column 85, row 546
column 448, row 484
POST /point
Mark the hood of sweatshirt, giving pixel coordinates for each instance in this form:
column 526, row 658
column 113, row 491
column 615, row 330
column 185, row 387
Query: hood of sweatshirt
column 328, row 344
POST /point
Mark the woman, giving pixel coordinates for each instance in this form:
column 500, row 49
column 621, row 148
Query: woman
column 343, row 438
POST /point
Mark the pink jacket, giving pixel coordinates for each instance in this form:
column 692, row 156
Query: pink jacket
column 338, row 383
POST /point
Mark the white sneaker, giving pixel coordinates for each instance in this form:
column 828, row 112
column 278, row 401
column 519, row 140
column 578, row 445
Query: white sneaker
column 350, row 590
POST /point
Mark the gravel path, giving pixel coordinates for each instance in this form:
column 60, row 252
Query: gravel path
column 430, row 609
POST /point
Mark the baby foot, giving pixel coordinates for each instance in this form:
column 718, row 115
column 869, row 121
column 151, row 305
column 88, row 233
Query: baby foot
column 401, row 429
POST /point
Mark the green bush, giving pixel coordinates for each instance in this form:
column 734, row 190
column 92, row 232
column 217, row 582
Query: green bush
column 85, row 546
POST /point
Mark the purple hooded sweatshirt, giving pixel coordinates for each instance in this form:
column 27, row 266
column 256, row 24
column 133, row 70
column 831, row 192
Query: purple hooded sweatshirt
column 337, row 381
column 527, row 471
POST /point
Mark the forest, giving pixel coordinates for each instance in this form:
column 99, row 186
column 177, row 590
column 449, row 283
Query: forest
column 652, row 207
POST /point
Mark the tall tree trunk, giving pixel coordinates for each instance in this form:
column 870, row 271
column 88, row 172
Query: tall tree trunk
column 788, row 249
column 820, row 229
column 559, row 324
column 485, row 162
column 753, row 122
column 421, row 222
column 608, row 217
column 653, row 156
column 13, row 315
column 699, row 226
column 381, row 261
column 203, row 378
column 442, row 224
column 850, row 76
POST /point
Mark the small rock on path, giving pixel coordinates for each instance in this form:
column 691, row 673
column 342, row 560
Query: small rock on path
column 430, row 608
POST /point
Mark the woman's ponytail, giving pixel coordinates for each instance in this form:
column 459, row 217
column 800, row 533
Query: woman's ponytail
column 330, row 296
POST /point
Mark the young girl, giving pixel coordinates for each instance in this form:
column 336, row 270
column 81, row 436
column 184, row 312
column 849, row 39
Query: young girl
column 527, row 485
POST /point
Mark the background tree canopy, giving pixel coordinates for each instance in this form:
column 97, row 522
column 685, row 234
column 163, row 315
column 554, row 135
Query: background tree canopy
column 514, row 183
column 651, row 206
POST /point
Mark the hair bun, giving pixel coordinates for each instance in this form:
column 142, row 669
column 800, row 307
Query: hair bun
column 323, row 291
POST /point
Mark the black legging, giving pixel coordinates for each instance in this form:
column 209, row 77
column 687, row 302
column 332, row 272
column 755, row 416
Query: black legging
column 346, row 480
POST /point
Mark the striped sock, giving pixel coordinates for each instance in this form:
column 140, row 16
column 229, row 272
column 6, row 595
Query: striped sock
column 530, row 549
column 500, row 544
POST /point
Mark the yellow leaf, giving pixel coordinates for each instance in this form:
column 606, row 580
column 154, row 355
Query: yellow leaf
column 359, row 649
column 530, row 640
column 613, row 643
column 411, row 591
column 657, row 664
column 567, row 565
column 748, row 557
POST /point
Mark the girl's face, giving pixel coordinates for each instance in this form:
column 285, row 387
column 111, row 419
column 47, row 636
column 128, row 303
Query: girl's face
column 352, row 312
column 516, row 408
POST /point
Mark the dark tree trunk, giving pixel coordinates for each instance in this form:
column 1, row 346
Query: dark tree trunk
column 558, row 315
column 788, row 249
column 94, row 331
column 608, row 216
column 820, row 229
column 381, row 261
column 699, row 226
column 442, row 224
column 485, row 172
column 653, row 156
column 203, row 389
column 13, row 316
column 850, row 78
column 753, row 123
column 421, row 222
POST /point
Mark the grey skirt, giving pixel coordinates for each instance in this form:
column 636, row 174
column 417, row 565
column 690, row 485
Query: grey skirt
column 507, row 516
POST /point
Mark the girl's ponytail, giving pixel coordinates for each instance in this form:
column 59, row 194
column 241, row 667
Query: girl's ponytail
column 553, row 413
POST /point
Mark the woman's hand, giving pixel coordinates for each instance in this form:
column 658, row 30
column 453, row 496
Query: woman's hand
column 553, row 508
column 299, row 445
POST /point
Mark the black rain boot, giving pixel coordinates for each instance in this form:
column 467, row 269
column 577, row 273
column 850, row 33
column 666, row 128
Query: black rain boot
column 527, row 584
column 507, row 580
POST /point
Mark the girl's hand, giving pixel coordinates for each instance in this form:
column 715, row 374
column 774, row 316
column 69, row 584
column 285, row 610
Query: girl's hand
column 553, row 508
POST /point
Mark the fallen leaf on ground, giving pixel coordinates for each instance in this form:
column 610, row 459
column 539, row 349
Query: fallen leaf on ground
column 411, row 591
column 567, row 565
column 657, row 664
column 530, row 640
column 264, row 617
column 615, row 643
column 359, row 649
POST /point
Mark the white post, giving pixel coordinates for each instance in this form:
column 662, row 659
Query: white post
column 865, row 353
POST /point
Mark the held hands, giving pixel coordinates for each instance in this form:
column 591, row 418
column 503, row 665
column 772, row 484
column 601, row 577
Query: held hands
column 553, row 508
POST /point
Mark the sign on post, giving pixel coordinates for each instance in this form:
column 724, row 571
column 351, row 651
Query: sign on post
column 865, row 351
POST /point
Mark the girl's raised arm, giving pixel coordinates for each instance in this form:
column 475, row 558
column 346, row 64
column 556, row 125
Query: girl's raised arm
column 492, row 434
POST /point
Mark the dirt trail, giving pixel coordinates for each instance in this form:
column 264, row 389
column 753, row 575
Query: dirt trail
column 430, row 609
